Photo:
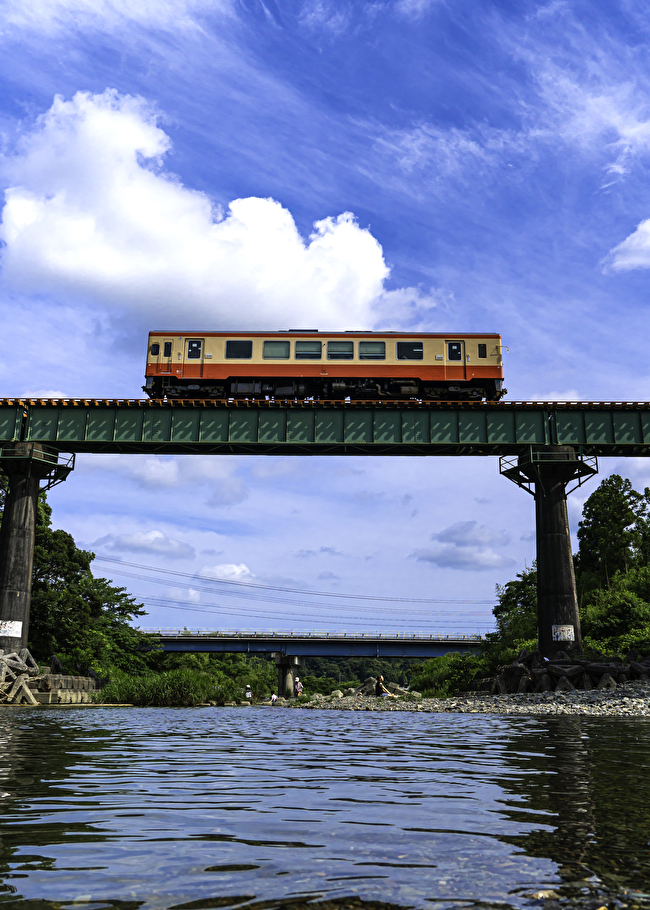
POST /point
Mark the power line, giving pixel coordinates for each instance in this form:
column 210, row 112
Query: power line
column 284, row 590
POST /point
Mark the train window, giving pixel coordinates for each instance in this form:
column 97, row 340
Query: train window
column 167, row 349
column 239, row 350
column 454, row 350
column 340, row 350
column 482, row 350
column 410, row 350
column 275, row 350
column 372, row 350
column 194, row 346
column 309, row 350
column 155, row 349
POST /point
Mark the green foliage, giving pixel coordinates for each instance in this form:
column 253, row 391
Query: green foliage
column 516, row 610
column 175, row 688
column 84, row 620
column 444, row 676
column 613, row 533
column 618, row 618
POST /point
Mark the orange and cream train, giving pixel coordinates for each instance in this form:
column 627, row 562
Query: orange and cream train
column 307, row 363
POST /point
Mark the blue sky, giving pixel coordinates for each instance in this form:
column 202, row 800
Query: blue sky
column 429, row 164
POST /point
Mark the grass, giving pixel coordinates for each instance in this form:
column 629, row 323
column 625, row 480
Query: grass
column 174, row 688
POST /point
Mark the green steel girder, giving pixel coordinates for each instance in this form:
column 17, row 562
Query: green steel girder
column 326, row 428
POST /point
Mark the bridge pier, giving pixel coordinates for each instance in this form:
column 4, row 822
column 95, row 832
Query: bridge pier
column 26, row 465
column 545, row 473
column 287, row 666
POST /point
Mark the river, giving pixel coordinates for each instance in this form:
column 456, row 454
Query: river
column 212, row 807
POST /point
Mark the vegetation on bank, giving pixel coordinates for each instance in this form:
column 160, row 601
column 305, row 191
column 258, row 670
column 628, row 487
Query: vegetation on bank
column 86, row 622
column 612, row 569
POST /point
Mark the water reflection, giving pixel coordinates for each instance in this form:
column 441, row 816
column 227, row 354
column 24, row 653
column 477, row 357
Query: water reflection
column 197, row 809
column 593, row 788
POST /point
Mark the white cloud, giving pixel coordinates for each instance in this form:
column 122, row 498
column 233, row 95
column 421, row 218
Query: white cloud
column 322, row 16
column 44, row 393
column 146, row 542
column 468, row 546
column 228, row 572
column 633, row 252
column 471, row 534
column 48, row 16
column 91, row 214
column 153, row 472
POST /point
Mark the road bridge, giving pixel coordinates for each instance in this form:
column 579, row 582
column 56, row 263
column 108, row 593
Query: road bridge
column 289, row 649
column 544, row 447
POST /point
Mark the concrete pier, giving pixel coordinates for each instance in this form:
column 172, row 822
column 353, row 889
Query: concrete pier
column 545, row 473
column 17, row 536
column 287, row 669
column 26, row 464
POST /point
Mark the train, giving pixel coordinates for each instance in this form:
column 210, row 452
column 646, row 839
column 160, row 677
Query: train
column 306, row 363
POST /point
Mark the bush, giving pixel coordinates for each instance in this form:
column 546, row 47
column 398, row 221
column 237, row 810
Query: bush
column 176, row 688
column 444, row 676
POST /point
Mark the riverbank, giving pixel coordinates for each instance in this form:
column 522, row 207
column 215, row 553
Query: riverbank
column 629, row 700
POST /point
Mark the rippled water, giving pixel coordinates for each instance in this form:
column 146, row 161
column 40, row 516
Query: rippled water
column 202, row 808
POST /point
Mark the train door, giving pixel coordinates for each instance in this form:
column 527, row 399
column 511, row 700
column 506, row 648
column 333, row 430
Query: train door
column 194, row 354
column 456, row 360
column 165, row 348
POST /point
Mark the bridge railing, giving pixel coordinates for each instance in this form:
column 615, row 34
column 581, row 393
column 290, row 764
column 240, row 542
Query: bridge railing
column 314, row 634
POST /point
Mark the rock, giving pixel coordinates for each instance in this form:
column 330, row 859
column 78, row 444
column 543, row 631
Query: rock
column 367, row 688
column 337, row 693
column 523, row 657
column 395, row 689
column 536, row 661
column 607, row 682
column 564, row 684
column 544, row 684
column 584, row 682
column 416, row 694
column 349, row 692
column 526, row 684
column 502, row 684
column 317, row 696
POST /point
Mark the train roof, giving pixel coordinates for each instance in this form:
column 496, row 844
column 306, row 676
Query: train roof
column 257, row 333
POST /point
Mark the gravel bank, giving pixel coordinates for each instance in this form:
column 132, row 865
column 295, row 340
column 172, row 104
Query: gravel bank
column 629, row 700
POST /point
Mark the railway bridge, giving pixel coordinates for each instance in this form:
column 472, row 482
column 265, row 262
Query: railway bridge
column 545, row 447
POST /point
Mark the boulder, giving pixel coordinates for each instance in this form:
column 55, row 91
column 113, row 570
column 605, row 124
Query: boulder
column 607, row 682
column 337, row 693
column 564, row 684
column 544, row 684
column 395, row 689
column 349, row 692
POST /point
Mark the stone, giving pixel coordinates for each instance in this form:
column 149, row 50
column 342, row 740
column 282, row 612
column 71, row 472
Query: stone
column 349, row 692
column 337, row 693
column 607, row 682
column 544, row 684
column 564, row 684
column 526, row 684
column 502, row 684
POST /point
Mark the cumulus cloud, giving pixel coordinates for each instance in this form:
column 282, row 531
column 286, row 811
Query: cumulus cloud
column 154, row 542
column 228, row 572
column 91, row 213
column 468, row 546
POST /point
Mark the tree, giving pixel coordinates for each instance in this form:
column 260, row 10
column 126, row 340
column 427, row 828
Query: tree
column 612, row 532
column 83, row 620
column 516, row 610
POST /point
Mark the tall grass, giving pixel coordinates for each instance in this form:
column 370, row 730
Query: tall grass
column 174, row 688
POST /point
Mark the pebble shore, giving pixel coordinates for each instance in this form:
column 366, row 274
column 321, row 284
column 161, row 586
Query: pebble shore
column 629, row 700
